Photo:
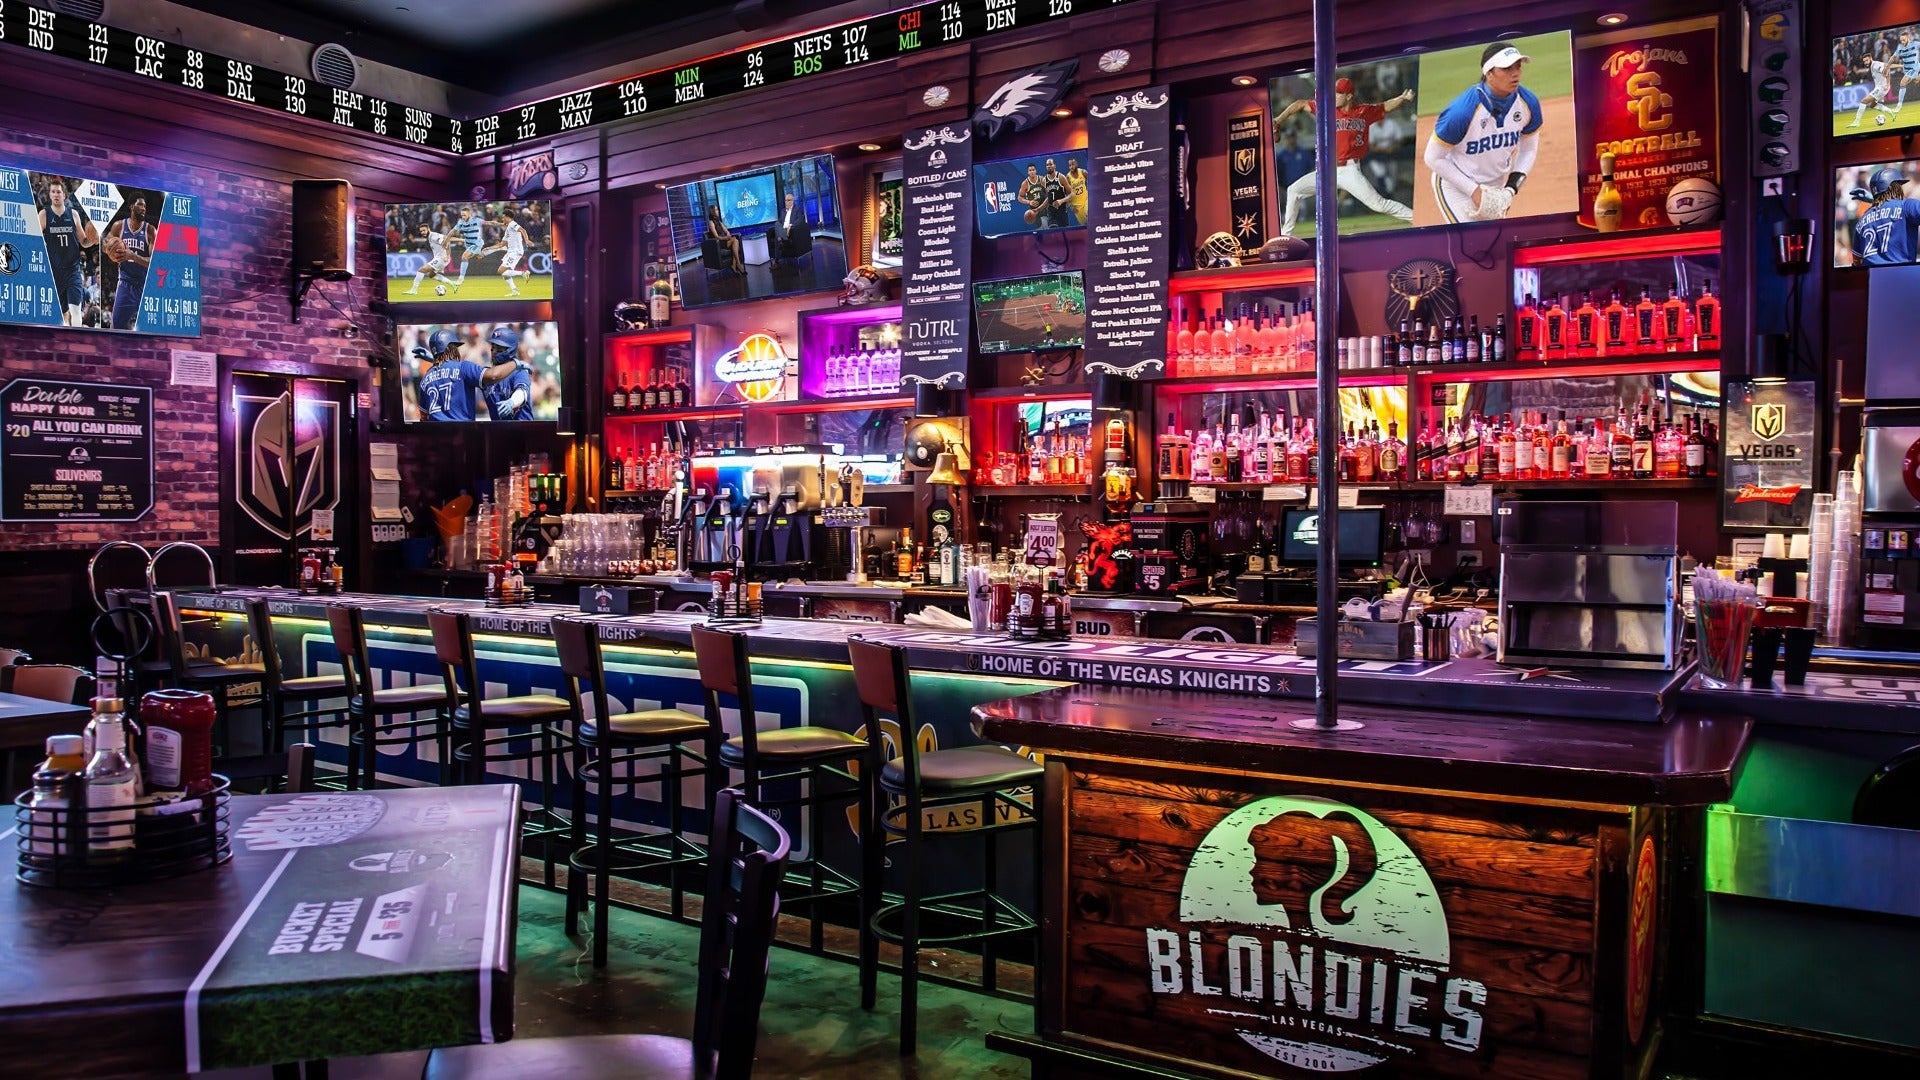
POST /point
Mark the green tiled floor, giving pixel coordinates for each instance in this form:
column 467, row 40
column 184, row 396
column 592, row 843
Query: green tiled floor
column 812, row 1024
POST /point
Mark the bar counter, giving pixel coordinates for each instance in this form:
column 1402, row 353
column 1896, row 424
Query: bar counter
column 1227, row 895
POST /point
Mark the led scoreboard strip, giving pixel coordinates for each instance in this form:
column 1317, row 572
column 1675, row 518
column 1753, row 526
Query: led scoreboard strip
column 169, row 62
column 836, row 48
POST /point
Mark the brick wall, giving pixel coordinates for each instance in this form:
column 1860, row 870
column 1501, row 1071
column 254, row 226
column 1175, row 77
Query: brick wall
column 244, row 259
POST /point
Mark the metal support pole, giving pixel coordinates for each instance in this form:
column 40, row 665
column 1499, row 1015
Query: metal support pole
column 1326, row 302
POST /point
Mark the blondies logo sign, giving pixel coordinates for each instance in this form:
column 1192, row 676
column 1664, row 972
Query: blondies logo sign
column 1317, row 934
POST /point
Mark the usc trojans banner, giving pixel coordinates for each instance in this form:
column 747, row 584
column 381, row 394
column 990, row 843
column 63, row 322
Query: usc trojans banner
column 1651, row 98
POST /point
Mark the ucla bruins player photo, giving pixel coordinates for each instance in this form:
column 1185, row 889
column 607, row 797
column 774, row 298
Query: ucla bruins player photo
column 1485, row 142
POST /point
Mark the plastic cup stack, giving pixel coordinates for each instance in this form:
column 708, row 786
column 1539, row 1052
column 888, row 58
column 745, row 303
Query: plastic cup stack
column 1820, row 557
column 1844, row 566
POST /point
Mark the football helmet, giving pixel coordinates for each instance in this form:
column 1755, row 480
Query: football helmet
column 863, row 285
column 1218, row 251
column 631, row 315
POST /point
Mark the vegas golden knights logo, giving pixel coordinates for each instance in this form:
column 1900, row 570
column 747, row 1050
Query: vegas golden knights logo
column 1244, row 160
column 1769, row 420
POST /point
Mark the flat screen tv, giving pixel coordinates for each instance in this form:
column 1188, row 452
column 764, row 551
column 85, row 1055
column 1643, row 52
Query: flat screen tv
column 1360, row 537
column 83, row 252
column 769, row 231
column 1033, row 194
column 1419, row 136
column 1031, row 314
column 466, row 251
column 1874, row 72
column 474, row 378
column 1876, row 219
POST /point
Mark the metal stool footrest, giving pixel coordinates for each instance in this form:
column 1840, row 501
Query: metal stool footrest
column 948, row 906
column 647, row 851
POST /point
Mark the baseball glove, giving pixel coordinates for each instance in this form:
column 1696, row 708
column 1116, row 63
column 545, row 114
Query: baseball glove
column 1495, row 199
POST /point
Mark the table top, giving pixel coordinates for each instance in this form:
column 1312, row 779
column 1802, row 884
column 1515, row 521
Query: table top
column 1688, row 760
column 25, row 722
column 347, row 923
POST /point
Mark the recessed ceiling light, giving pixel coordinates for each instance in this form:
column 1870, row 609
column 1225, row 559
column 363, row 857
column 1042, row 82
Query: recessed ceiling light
column 1613, row 18
column 1244, row 80
column 1063, row 111
column 870, row 147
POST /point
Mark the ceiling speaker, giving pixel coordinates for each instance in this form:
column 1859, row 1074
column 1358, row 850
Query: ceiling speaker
column 334, row 66
column 90, row 10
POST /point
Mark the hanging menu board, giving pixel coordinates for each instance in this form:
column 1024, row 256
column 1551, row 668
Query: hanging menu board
column 1129, row 138
column 75, row 451
column 938, row 260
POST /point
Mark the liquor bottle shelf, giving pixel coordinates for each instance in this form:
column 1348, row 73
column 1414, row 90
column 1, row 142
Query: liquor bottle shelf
column 1625, row 363
column 1032, row 491
column 1682, row 483
column 1044, row 392
column 661, row 416
column 1280, row 380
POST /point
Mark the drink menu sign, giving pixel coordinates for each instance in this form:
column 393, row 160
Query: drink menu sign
column 938, row 260
column 1129, row 220
column 74, row 451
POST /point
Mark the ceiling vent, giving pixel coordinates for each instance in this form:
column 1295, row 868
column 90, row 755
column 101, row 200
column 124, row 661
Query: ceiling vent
column 90, row 10
column 334, row 66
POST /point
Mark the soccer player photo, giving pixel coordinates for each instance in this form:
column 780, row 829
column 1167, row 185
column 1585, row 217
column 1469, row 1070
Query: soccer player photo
column 1497, row 132
column 1875, row 223
column 1873, row 75
column 469, row 251
column 1373, row 154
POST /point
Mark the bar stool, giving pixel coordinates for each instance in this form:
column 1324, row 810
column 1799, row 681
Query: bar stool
column 918, row 782
column 620, row 739
column 369, row 707
column 808, row 754
column 211, row 677
column 487, row 731
column 291, row 704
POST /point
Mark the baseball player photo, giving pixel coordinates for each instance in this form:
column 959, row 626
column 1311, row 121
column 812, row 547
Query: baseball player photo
column 1503, row 144
column 1872, row 74
column 1353, row 121
column 1875, row 223
column 1373, row 148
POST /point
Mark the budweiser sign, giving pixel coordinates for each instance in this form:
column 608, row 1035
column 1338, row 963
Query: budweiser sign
column 1784, row 494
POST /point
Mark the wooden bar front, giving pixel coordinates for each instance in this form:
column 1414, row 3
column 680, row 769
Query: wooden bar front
column 1435, row 894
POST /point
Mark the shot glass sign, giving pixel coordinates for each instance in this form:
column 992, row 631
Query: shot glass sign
column 1043, row 539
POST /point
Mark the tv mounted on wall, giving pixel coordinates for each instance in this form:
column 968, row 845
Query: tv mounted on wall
column 768, row 231
column 1031, row 314
column 473, row 377
column 1032, row 194
column 467, row 251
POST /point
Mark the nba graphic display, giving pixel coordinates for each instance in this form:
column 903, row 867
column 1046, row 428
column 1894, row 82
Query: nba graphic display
column 98, row 255
column 1329, row 972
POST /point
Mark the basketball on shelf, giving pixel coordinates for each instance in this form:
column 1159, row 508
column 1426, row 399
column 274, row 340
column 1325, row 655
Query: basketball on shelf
column 439, row 290
column 1693, row 201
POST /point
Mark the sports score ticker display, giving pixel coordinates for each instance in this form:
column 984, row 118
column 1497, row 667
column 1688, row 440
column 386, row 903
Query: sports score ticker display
column 802, row 56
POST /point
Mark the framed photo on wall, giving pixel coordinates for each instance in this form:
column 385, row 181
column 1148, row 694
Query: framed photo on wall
column 883, row 217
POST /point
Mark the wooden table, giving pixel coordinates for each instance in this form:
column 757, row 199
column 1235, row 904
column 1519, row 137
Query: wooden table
column 1440, row 894
column 347, row 923
column 25, row 722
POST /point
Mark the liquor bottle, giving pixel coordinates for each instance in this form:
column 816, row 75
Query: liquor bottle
column 1243, row 331
column 631, row 470
column 1271, row 356
column 1616, row 324
column 1472, row 352
column 1393, row 454
column 1202, row 456
column 680, row 393
column 1297, row 470
column 650, row 399
column 1366, row 457
column 1553, row 340
column 1577, row 452
column 1599, row 456
column 1344, row 457
column 1695, row 453
column 1542, row 441
column 1606, row 204
column 1478, row 455
column 616, row 472
column 1560, row 454
column 1309, row 334
column 1494, row 349
column 1183, row 348
column 618, row 404
column 113, row 786
column 1403, row 349
column 1642, row 445
column 1706, row 314
column 1459, row 342
column 1710, row 434
column 1221, row 344
column 1456, row 451
column 1646, row 324
column 1669, row 451
column 1446, row 340
column 1262, row 464
column 1236, row 450
column 1433, row 345
column 1586, row 327
column 1505, row 466
column 903, row 556
column 1527, row 322
column 1620, row 454
column 1671, row 319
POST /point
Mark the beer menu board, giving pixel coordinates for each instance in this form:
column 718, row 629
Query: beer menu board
column 938, row 260
column 75, row 451
column 802, row 56
column 1129, row 139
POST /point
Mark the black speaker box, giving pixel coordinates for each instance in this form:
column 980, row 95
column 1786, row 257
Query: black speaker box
column 323, row 228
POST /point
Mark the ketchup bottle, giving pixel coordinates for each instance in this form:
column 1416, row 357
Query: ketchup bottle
column 179, row 750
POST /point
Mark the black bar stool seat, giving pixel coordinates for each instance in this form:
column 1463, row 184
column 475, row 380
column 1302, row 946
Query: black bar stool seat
column 914, row 783
column 401, row 699
column 315, row 686
column 292, row 704
column 383, row 717
column 648, row 727
column 518, row 709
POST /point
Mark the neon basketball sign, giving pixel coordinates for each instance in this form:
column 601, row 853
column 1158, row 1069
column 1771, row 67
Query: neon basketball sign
column 756, row 369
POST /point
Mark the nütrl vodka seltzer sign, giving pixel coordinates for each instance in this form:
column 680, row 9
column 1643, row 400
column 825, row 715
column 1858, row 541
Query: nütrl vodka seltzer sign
column 936, row 322
column 1129, row 139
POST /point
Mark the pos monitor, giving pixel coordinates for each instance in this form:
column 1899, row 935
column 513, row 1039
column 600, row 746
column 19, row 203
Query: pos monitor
column 1360, row 537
